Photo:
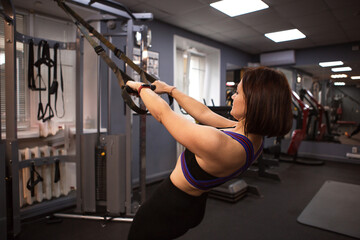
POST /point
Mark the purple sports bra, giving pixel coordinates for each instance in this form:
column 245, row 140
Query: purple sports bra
column 200, row 179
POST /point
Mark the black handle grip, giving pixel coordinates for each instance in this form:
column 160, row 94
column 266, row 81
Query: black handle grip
column 132, row 91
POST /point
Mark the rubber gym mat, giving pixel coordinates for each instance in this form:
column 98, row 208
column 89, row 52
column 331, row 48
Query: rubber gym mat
column 335, row 207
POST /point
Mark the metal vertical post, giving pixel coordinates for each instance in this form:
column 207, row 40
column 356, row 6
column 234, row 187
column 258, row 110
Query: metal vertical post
column 129, row 71
column 79, row 118
column 11, row 151
column 3, row 218
column 3, row 227
column 142, row 163
column 109, row 130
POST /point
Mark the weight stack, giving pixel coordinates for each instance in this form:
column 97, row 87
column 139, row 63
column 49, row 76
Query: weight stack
column 100, row 172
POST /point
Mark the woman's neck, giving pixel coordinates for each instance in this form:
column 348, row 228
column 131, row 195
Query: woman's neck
column 240, row 126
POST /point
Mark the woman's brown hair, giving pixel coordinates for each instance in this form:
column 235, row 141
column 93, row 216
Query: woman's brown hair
column 268, row 102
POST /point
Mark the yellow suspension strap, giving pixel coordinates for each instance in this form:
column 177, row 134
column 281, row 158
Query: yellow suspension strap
column 117, row 52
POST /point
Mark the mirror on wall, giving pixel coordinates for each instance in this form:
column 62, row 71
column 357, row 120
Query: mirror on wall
column 334, row 102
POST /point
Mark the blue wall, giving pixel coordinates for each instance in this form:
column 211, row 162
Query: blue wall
column 327, row 53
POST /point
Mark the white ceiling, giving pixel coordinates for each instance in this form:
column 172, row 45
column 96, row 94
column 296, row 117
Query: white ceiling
column 324, row 22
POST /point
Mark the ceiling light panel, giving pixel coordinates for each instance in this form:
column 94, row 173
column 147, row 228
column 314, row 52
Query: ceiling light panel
column 331, row 64
column 339, row 76
column 239, row 7
column 287, row 35
column 341, row 69
column 355, row 77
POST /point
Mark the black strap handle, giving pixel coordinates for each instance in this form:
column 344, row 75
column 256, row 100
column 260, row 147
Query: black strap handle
column 32, row 182
column 57, row 171
column 49, row 110
column 40, row 114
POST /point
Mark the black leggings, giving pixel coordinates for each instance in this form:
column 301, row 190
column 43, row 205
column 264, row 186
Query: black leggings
column 167, row 214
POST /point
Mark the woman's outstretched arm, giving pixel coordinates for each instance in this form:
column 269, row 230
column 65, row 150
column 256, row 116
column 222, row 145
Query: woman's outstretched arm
column 196, row 109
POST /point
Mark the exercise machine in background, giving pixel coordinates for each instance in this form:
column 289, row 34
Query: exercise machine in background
column 301, row 113
column 317, row 129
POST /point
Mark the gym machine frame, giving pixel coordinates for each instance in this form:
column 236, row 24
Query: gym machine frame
column 118, row 201
column 3, row 218
column 9, row 150
column 3, row 211
column 299, row 134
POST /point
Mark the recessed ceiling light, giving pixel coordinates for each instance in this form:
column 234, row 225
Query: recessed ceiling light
column 331, row 64
column 355, row 77
column 238, row 7
column 341, row 69
column 339, row 76
column 339, row 83
column 287, row 35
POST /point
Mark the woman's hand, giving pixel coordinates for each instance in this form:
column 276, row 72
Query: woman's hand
column 134, row 85
column 162, row 87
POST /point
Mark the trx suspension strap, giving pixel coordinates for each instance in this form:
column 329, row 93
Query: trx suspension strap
column 38, row 64
column 55, row 84
column 49, row 63
column 120, row 75
column 117, row 52
column 62, row 88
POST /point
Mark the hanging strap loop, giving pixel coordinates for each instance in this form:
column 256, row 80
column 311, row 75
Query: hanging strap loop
column 50, row 63
column 32, row 182
column 38, row 63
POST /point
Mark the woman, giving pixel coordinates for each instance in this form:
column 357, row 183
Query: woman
column 216, row 151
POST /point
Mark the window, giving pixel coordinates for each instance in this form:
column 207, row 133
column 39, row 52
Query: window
column 196, row 76
column 22, row 94
column 197, row 70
